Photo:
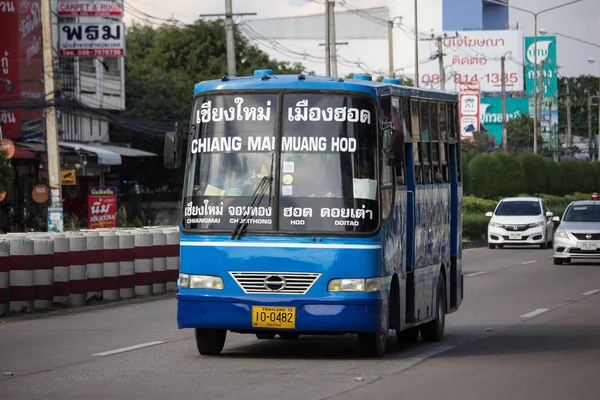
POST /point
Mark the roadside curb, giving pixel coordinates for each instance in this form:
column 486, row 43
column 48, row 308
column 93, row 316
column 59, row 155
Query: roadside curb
column 474, row 245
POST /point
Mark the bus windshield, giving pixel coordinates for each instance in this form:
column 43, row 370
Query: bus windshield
column 322, row 158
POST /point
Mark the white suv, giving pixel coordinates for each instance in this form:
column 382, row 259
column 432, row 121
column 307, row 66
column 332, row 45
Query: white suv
column 521, row 221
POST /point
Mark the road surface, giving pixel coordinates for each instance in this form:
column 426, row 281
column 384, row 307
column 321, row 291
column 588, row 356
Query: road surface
column 527, row 329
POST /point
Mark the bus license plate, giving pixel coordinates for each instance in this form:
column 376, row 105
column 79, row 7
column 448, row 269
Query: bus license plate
column 274, row 317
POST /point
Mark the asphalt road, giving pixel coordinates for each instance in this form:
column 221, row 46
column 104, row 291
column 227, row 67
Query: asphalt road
column 527, row 329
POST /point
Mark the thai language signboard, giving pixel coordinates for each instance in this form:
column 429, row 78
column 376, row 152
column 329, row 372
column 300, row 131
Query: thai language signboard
column 474, row 57
column 546, row 49
column 102, row 207
column 21, row 75
column 92, row 39
column 491, row 113
column 89, row 8
column 469, row 111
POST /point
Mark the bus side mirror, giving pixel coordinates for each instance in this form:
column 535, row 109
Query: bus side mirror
column 172, row 150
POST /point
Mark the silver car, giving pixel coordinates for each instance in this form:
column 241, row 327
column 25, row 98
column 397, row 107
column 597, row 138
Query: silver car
column 578, row 235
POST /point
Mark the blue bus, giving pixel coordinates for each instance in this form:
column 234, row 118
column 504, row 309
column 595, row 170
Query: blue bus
column 318, row 205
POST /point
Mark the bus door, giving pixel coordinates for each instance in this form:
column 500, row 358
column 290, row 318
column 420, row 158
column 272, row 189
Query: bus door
column 456, row 194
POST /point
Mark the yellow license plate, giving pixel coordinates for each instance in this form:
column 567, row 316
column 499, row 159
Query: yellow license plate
column 274, row 317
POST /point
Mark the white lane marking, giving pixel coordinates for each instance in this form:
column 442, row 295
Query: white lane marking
column 124, row 349
column 477, row 273
column 534, row 313
column 283, row 245
column 529, row 262
column 591, row 292
column 432, row 352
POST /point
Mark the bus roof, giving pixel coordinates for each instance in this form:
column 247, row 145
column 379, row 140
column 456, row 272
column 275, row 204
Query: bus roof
column 265, row 80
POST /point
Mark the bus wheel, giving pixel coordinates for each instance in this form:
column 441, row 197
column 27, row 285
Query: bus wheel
column 289, row 335
column 265, row 335
column 408, row 335
column 210, row 342
column 433, row 331
column 372, row 344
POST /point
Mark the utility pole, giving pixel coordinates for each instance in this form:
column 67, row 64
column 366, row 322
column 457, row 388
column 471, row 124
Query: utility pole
column 537, row 123
column 441, row 62
column 589, row 110
column 390, row 32
column 332, row 41
column 327, row 40
column 568, row 116
column 229, row 33
column 504, row 122
column 52, row 153
column 416, row 83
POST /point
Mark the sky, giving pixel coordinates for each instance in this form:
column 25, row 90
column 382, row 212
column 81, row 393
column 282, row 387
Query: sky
column 580, row 20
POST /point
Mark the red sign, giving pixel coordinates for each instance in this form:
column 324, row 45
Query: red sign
column 21, row 74
column 102, row 207
column 89, row 8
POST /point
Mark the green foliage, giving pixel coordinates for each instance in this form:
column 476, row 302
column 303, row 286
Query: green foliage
column 478, row 206
column 519, row 133
column 477, row 174
column 514, row 179
column 555, row 177
column 7, row 173
column 572, row 171
column 533, row 167
column 579, row 87
column 475, row 226
column 495, row 178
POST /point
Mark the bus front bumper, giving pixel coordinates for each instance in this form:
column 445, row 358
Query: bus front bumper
column 344, row 315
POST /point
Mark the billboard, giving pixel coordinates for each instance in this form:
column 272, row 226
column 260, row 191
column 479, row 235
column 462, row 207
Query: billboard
column 89, row 8
column 491, row 113
column 474, row 57
column 92, row 39
column 21, row 69
column 102, row 207
column 546, row 53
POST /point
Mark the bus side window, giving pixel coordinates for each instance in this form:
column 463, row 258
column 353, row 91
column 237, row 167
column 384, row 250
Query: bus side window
column 387, row 172
column 414, row 117
column 398, row 140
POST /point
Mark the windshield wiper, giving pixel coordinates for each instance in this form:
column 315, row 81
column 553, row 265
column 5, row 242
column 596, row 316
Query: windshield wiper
column 259, row 193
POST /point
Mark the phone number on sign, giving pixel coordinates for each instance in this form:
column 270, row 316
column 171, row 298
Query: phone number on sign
column 92, row 52
column 494, row 78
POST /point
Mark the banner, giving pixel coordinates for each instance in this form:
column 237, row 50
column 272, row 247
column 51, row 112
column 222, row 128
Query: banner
column 546, row 49
column 474, row 56
column 491, row 113
column 92, row 39
column 102, row 207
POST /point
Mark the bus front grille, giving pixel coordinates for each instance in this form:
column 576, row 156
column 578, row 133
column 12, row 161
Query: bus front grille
column 275, row 282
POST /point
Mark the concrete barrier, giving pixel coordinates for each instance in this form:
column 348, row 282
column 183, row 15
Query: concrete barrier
column 43, row 277
column 77, row 270
column 172, row 258
column 62, row 262
column 21, row 274
column 94, row 254
column 159, row 262
column 143, row 263
column 126, row 265
column 110, row 269
column 4, row 285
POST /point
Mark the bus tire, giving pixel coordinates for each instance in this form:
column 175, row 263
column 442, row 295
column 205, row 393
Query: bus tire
column 372, row 344
column 265, row 335
column 433, row 331
column 408, row 335
column 210, row 342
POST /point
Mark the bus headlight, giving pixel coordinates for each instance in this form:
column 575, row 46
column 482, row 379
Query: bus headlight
column 354, row 285
column 188, row 281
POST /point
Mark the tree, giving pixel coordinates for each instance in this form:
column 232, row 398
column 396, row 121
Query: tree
column 163, row 65
column 579, row 87
column 520, row 133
